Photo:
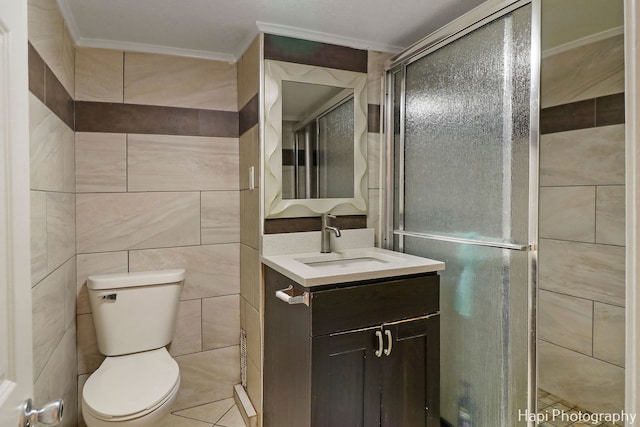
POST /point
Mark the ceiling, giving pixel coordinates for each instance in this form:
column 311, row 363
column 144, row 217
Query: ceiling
column 223, row 29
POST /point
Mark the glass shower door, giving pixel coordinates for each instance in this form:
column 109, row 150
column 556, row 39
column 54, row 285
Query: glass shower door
column 462, row 162
column 335, row 152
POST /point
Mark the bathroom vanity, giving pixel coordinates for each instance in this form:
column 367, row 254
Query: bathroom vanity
column 351, row 339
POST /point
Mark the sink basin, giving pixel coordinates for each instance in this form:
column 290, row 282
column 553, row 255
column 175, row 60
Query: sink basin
column 345, row 262
column 349, row 265
column 362, row 259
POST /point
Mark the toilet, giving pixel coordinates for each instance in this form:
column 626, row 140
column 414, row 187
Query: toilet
column 134, row 315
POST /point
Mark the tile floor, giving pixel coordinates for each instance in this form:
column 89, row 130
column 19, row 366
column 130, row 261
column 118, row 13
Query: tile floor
column 223, row 413
column 565, row 412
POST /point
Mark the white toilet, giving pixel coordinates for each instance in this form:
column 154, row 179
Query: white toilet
column 134, row 315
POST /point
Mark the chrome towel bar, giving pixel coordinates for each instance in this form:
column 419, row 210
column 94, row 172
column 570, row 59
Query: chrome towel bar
column 500, row 245
column 286, row 296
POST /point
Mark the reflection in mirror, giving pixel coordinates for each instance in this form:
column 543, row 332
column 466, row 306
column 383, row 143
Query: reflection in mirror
column 325, row 110
column 317, row 141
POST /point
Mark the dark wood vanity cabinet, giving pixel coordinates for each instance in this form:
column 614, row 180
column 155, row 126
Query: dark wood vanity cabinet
column 360, row 355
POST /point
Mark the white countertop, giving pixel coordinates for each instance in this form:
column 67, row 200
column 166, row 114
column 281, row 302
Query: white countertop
column 349, row 265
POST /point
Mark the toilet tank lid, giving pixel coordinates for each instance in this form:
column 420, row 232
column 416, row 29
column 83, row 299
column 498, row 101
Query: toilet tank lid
column 139, row 278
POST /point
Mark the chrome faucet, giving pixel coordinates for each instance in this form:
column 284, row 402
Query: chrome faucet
column 325, row 244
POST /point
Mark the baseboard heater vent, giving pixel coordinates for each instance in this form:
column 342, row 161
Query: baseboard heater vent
column 243, row 358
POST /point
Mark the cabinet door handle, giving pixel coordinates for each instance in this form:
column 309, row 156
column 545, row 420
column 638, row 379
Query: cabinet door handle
column 378, row 352
column 387, row 351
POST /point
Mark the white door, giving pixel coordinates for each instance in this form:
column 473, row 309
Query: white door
column 15, row 283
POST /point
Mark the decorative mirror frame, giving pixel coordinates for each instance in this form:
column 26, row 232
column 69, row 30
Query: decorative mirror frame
column 275, row 72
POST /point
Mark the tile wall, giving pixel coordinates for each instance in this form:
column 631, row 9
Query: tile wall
column 157, row 187
column 250, row 285
column 582, row 226
column 135, row 164
column 53, row 255
column 251, row 218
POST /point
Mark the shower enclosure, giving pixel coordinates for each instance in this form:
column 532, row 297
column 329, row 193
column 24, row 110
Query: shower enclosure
column 461, row 119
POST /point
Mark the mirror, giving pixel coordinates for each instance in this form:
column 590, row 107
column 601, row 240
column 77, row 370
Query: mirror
column 315, row 141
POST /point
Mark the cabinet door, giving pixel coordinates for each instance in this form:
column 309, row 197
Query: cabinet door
column 287, row 357
column 346, row 380
column 411, row 374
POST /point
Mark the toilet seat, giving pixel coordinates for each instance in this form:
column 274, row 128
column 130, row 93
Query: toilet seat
column 131, row 386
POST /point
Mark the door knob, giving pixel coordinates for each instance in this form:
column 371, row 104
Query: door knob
column 50, row 414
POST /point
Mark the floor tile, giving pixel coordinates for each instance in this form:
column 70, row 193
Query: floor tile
column 211, row 412
column 568, row 415
column 176, row 421
column 232, row 419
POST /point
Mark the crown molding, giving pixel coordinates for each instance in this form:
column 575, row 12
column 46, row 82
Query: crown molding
column 592, row 38
column 317, row 36
column 149, row 48
column 246, row 43
column 68, row 18
column 135, row 47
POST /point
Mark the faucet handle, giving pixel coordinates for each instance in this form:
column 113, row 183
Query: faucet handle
column 325, row 217
column 326, row 225
column 325, row 246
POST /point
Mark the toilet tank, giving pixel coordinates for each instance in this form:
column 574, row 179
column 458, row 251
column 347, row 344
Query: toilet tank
column 134, row 312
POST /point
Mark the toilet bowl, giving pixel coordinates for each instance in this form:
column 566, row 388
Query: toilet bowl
column 134, row 317
column 131, row 390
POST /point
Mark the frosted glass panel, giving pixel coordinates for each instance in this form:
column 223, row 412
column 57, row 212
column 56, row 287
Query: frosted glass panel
column 483, row 329
column 335, row 152
column 464, row 155
column 467, row 135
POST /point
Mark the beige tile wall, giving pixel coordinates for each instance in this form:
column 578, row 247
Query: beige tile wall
column 575, row 374
column 49, row 35
column 187, row 82
column 53, row 260
column 120, row 221
column 163, row 201
column 99, row 75
column 101, row 162
column 581, row 251
column 51, row 150
column 250, row 218
column 567, row 320
column 249, row 73
column 575, row 76
column 593, row 156
column 181, row 163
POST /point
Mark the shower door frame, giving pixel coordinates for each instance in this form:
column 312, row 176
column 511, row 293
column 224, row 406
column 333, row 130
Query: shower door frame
column 476, row 18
